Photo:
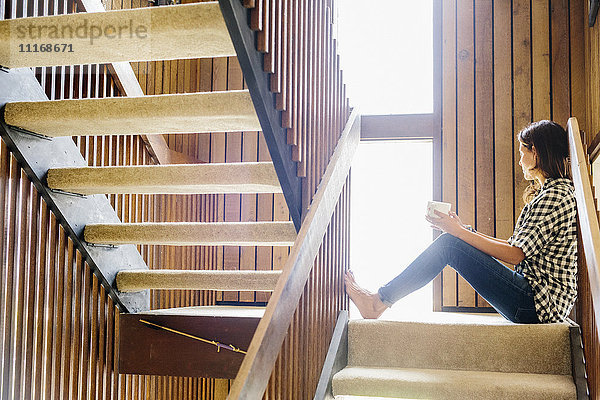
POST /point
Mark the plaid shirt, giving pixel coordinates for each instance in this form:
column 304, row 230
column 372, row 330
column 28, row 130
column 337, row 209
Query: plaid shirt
column 546, row 231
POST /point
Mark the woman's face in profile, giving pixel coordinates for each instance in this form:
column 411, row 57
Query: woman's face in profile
column 527, row 161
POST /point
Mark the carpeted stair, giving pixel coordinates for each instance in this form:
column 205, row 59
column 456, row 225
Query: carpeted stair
column 458, row 360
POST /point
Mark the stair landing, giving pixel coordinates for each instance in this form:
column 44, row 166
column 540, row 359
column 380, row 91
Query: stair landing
column 148, row 350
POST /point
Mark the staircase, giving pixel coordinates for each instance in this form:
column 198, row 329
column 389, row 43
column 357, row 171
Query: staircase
column 38, row 132
column 488, row 358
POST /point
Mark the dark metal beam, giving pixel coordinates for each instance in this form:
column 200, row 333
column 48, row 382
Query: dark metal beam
column 251, row 62
column 36, row 155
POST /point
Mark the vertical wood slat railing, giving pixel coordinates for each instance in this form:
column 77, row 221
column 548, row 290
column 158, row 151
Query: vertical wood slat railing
column 588, row 304
column 253, row 376
column 300, row 54
column 288, row 55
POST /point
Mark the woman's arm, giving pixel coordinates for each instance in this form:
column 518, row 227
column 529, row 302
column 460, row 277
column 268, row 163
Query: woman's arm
column 491, row 237
column 494, row 247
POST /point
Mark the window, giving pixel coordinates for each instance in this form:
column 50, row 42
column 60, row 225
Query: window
column 391, row 184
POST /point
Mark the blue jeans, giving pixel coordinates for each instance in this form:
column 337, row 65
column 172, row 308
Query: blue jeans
column 507, row 291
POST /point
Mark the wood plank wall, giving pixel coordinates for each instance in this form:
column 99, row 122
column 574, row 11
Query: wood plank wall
column 590, row 122
column 74, row 352
column 64, row 333
column 505, row 64
column 300, row 53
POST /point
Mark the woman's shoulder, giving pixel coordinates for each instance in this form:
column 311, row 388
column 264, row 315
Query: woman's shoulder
column 555, row 191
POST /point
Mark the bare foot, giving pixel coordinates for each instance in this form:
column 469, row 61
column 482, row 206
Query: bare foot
column 369, row 304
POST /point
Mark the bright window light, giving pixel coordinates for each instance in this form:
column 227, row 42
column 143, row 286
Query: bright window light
column 391, row 184
column 386, row 53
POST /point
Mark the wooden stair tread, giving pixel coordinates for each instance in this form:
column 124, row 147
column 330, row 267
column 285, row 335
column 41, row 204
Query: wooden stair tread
column 277, row 233
column 226, row 280
column 451, row 384
column 157, row 33
column 541, row 348
column 247, row 177
column 202, row 112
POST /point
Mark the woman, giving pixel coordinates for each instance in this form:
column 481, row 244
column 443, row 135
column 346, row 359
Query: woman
column 543, row 247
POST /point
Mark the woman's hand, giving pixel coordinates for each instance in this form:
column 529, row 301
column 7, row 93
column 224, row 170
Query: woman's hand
column 447, row 223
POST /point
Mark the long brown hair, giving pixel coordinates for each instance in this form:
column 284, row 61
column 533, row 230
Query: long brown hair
column 552, row 148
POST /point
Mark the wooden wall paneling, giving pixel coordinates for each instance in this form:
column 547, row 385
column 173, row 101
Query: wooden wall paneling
column 29, row 293
column 291, row 113
column 465, row 128
column 300, row 109
column 262, row 37
column 217, row 149
column 561, row 107
column 4, row 241
column 330, row 65
column 280, row 213
column 85, row 341
column 101, row 343
column 594, row 109
column 93, row 316
column 320, row 149
column 484, row 122
column 50, row 311
column 67, row 299
column 277, row 50
column 577, row 57
column 8, row 263
column 449, row 139
column 233, row 153
column 249, row 210
column 290, row 68
column 503, row 135
column 264, row 212
column 312, row 136
column 284, row 65
column 256, row 16
column 540, row 59
column 269, row 59
column 503, row 132
column 589, row 91
column 75, row 344
column 522, row 103
column 18, row 283
column 41, row 283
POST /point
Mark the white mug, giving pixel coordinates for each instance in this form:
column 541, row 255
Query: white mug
column 437, row 205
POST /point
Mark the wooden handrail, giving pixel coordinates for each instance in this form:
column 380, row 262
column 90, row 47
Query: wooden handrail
column 586, row 209
column 253, row 376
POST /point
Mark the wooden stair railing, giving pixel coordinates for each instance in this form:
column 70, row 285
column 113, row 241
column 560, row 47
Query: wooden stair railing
column 236, row 18
column 32, row 131
column 254, row 373
column 588, row 304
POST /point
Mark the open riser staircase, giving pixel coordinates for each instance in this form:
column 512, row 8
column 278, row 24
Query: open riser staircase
column 385, row 359
column 420, row 360
column 39, row 132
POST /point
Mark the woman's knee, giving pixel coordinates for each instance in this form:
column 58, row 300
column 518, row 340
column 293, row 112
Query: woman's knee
column 446, row 239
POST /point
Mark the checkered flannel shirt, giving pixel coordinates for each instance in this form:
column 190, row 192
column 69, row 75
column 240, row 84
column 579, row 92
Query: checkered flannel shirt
column 546, row 231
